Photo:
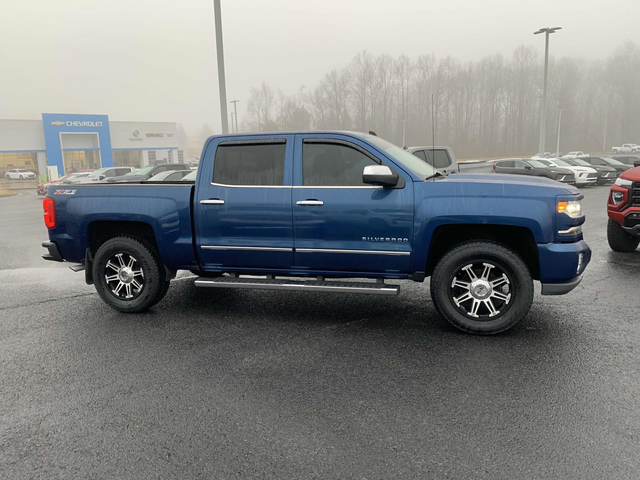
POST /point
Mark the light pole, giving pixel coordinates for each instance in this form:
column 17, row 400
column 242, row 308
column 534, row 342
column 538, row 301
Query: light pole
column 606, row 120
column 221, row 77
column 235, row 109
column 559, row 123
column 543, row 117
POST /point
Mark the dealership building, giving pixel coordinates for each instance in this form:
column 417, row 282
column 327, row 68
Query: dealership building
column 75, row 142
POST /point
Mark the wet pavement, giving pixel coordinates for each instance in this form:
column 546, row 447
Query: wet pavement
column 247, row 384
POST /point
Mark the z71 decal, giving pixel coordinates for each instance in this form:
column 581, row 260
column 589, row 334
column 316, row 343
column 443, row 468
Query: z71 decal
column 65, row 192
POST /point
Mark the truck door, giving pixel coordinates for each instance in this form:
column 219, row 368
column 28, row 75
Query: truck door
column 340, row 223
column 243, row 205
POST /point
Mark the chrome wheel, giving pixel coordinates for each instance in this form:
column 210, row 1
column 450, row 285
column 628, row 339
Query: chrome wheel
column 481, row 291
column 124, row 276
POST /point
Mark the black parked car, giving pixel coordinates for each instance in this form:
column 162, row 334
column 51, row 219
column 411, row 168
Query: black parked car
column 626, row 159
column 146, row 173
column 525, row 166
column 608, row 162
column 605, row 172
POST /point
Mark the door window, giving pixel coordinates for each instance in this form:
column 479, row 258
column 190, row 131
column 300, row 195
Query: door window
column 259, row 164
column 519, row 164
column 333, row 165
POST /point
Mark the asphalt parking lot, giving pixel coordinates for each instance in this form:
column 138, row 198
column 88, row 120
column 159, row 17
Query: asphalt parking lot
column 265, row 384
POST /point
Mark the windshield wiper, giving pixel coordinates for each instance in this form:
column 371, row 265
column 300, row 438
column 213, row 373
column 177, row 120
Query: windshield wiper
column 434, row 175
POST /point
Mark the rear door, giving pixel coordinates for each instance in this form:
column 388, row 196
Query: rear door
column 243, row 204
column 340, row 223
column 504, row 166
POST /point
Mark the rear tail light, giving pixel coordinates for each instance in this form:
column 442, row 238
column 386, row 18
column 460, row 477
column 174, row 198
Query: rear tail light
column 49, row 206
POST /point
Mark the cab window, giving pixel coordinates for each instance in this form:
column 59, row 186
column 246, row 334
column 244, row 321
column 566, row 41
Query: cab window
column 329, row 164
column 259, row 164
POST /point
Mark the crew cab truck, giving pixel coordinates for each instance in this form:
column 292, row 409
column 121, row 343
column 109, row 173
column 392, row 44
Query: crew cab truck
column 331, row 212
column 623, row 208
column 626, row 148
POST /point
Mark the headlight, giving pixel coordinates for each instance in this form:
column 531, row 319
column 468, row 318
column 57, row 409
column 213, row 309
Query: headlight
column 572, row 208
column 617, row 197
column 623, row 183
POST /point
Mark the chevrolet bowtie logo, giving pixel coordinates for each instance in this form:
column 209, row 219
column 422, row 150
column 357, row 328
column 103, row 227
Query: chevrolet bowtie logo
column 57, row 123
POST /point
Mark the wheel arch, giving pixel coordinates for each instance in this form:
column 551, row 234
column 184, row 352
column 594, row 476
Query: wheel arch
column 518, row 239
column 99, row 232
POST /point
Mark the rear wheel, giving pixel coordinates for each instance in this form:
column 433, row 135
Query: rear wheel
column 482, row 287
column 129, row 275
column 619, row 240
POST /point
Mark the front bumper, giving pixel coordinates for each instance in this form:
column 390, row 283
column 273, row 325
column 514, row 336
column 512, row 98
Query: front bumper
column 587, row 181
column 562, row 266
column 560, row 288
column 635, row 231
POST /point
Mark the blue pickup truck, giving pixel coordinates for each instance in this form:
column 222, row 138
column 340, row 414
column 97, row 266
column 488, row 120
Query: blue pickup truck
column 330, row 212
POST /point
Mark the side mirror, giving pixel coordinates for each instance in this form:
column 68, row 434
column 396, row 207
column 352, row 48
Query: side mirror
column 528, row 167
column 101, row 177
column 379, row 175
column 636, row 163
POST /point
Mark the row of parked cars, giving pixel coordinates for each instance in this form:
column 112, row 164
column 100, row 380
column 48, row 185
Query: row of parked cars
column 574, row 170
column 166, row 172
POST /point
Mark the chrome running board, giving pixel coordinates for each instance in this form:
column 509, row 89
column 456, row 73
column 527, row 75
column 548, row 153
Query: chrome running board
column 371, row 288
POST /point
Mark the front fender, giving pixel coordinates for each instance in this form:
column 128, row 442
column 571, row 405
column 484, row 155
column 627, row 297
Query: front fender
column 535, row 214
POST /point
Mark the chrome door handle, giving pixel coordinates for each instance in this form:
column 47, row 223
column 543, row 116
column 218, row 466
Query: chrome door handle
column 212, row 201
column 313, row 203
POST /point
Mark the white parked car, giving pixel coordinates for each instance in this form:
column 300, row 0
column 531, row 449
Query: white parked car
column 19, row 174
column 627, row 148
column 579, row 153
column 584, row 175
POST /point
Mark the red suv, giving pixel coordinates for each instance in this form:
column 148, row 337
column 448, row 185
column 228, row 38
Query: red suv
column 623, row 229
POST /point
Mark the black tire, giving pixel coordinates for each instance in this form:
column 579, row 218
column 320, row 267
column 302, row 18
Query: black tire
column 163, row 292
column 619, row 240
column 518, row 289
column 147, row 260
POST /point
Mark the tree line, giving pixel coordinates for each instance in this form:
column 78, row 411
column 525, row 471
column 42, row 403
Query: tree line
column 486, row 108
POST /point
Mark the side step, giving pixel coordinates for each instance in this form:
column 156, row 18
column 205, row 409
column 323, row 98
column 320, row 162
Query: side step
column 300, row 285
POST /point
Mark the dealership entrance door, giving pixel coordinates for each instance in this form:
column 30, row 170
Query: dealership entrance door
column 80, row 151
column 75, row 160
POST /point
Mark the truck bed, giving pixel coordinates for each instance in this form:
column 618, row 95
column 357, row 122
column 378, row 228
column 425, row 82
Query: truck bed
column 83, row 211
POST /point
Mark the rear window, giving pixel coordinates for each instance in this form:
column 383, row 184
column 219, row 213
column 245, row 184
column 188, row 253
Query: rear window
column 259, row 164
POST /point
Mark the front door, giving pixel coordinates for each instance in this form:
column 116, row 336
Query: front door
column 340, row 223
column 243, row 205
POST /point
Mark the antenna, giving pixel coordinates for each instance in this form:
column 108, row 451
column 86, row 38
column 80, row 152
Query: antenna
column 433, row 134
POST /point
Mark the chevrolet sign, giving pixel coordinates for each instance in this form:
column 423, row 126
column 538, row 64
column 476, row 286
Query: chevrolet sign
column 69, row 123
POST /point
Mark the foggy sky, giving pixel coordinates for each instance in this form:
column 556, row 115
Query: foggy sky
column 154, row 60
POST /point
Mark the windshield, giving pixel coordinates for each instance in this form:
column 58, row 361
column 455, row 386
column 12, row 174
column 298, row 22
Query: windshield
column 97, row 173
column 190, row 177
column 612, row 161
column 537, row 164
column 404, row 158
column 581, row 162
column 561, row 163
column 142, row 171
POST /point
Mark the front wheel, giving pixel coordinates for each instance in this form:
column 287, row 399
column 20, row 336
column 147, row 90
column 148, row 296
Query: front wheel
column 482, row 287
column 129, row 275
column 619, row 240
